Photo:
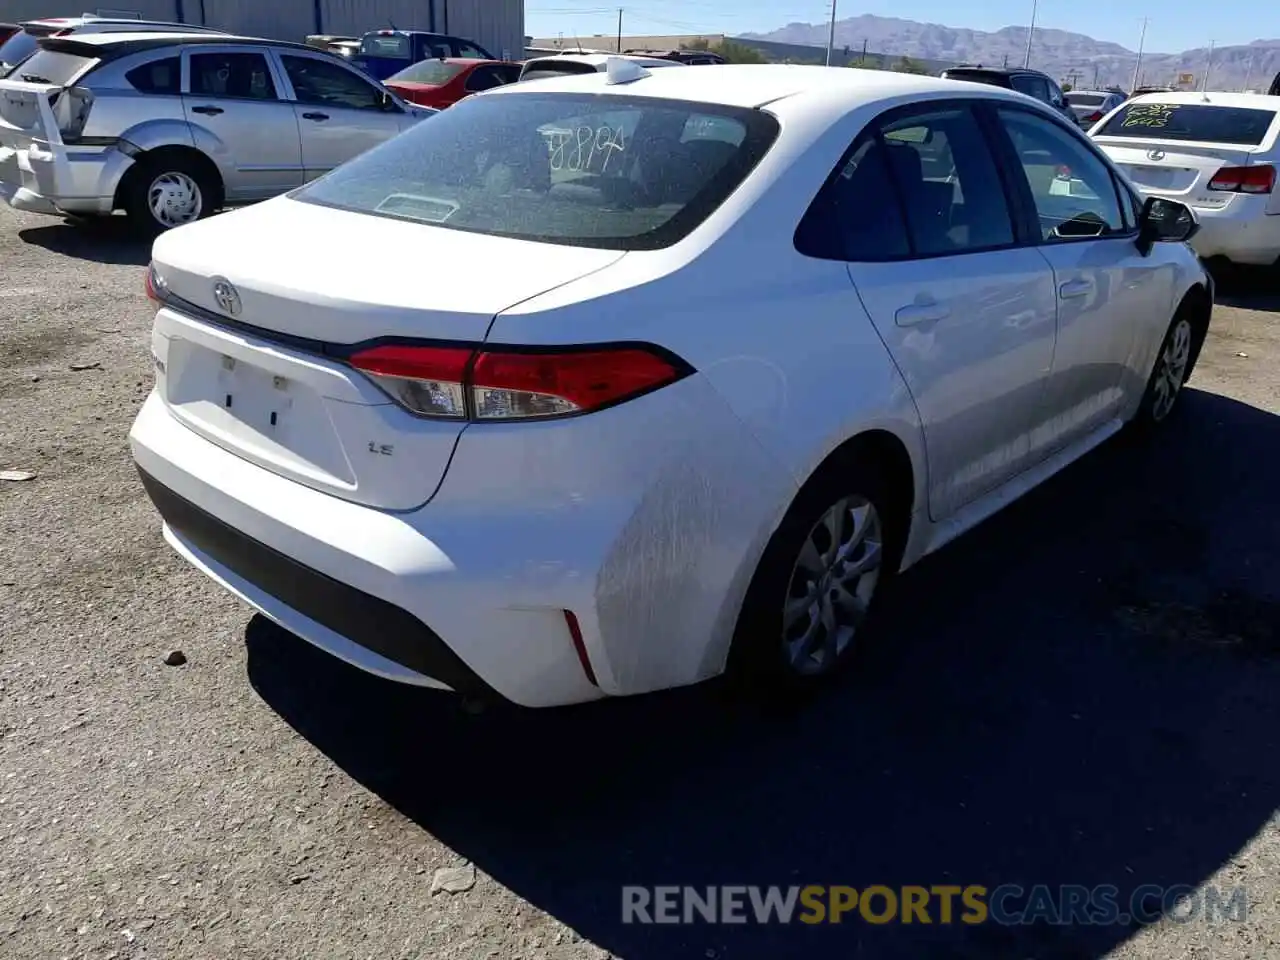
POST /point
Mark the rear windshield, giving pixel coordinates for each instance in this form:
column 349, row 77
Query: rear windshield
column 1086, row 99
column 429, row 71
column 622, row 173
column 1244, row 126
column 21, row 45
column 394, row 45
column 52, row 66
column 977, row 76
column 541, row 69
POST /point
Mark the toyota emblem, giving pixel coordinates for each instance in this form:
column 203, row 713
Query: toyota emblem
column 226, row 296
column 1155, row 154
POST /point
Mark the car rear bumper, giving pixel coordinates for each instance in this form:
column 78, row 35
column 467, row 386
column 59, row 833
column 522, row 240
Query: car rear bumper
column 382, row 629
column 58, row 180
column 645, row 526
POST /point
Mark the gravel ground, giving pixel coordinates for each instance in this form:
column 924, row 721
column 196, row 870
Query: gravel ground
column 1083, row 691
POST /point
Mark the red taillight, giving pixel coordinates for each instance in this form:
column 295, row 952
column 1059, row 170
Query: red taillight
column 152, row 286
column 1259, row 179
column 515, row 384
column 1095, row 116
column 580, row 646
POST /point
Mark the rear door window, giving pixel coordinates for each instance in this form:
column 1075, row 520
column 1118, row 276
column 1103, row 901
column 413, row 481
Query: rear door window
column 162, row 77
column 858, row 217
column 1206, row 123
column 245, row 76
column 948, row 183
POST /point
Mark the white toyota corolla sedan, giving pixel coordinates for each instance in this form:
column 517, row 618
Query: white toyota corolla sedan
column 613, row 383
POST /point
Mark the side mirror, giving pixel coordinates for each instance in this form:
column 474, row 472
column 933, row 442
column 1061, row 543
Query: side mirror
column 1165, row 221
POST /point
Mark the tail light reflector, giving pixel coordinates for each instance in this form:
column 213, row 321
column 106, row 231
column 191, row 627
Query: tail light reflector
column 152, row 286
column 1095, row 116
column 1257, row 179
column 480, row 383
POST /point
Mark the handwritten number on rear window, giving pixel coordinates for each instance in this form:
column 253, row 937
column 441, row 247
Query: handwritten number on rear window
column 1148, row 115
column 585, row 149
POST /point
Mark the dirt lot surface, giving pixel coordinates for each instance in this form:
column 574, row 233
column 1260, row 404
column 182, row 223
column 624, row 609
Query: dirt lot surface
column 1084, row 691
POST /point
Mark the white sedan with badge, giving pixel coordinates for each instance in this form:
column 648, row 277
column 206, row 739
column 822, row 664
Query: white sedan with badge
column 619, row 382
column 1215, row 152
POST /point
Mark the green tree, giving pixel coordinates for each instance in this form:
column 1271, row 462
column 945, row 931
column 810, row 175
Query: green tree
column 905, row 64
column 735, row 52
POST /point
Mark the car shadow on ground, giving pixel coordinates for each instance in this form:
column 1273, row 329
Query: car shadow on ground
column 102, row 240
column 1249, row 288
column 1079, row 692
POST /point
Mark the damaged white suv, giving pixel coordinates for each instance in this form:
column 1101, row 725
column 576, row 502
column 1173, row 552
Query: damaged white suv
column 171, row 127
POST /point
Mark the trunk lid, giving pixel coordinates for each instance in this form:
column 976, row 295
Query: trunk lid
column 1181, row 171
column 306, row 277
column 27, row 115
column 27, row 121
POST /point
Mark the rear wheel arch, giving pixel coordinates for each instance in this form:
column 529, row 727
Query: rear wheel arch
column 887, row 452
column 874, row 464
column 1197, row 305
column 147, row 159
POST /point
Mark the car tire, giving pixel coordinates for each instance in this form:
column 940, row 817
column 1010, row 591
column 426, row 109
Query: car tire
column 169, row 189
column 1175, row 360
column 810, row 610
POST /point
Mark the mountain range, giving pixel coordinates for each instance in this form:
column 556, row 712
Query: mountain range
column 1070, row 57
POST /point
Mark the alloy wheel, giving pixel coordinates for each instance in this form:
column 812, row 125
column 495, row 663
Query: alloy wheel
column 1171, row 369
column 832, row 585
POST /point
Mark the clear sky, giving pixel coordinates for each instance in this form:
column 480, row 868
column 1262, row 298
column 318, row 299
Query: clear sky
column 1175, row 24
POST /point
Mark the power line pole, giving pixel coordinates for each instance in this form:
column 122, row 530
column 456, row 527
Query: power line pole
column 1137, row 65
column 831, row 37
column 1248, row 73
column 1095, row 76
column 1026, row 61
column 620, row 29
column 1204, row 81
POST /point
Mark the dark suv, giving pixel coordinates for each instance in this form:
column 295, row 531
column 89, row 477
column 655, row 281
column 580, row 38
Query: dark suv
column 1033, row 83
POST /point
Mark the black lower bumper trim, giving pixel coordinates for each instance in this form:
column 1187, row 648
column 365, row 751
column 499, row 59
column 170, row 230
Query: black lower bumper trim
column 374, row 624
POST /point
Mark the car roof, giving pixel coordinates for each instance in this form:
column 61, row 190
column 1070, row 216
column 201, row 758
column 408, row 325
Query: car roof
column 600, row 59
column 387, row 32
column 121, row 42
column 996, row 71
column 1253, row 101
column 75, row 23
column 754, row 85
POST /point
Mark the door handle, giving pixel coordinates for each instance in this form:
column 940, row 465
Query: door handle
column 918, row 313
column 319, row 117
column 1075, row 288
column 208, row 111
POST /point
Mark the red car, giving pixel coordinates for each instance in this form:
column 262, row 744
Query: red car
column 442, row 83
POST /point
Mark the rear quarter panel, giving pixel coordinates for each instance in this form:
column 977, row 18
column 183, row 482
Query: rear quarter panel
column 792, row 368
